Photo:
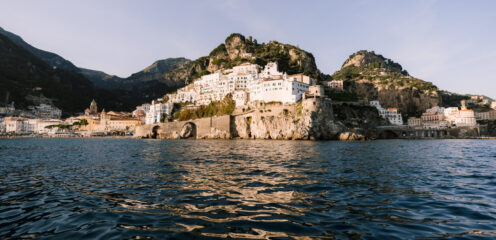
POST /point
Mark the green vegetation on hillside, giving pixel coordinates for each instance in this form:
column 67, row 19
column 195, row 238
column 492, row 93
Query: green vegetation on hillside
column 238, row 49
column 215, row 108
column 345, row 96
column 380, row 71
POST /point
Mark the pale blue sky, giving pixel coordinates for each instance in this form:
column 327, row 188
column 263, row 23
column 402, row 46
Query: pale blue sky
column 450, row 43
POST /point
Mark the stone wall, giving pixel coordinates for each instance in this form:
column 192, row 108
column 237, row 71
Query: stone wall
column 204, row 128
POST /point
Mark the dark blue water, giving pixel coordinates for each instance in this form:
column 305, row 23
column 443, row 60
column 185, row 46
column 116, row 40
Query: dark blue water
column 130, row 189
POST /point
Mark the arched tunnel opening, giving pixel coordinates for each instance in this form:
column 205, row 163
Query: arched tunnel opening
column 188, row 130
column 155, row 131
column 388, row 134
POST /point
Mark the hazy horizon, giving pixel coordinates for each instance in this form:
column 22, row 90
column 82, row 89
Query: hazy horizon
column 449, row 43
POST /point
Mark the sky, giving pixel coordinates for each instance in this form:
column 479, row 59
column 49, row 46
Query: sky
column 450, row 43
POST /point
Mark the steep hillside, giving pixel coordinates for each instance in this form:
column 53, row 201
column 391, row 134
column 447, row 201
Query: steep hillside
column 158, row 69
column 97, row 77
column 151, row 75
column 51, row 59
column 373, row 76
column 100, row 79
column 237, row 49
column 23, row 74
column 118, row 93
column 24, row 77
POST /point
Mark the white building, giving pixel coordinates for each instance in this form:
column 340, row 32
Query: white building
column 41, row 125
column 247, row 83
column 271, row 71
column 449, row 110
column 278, row 90
column 2, row 126
column 157, row 111
column 13, row 124
column 390, row 114
column 335, row 84
column 140, row 112
column 47, row 111
column 241, row 97
column 493, row 105
column 29, row 125
column 463, row 118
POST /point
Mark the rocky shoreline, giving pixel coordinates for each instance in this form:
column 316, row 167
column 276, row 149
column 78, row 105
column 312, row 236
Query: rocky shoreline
column 310, row 119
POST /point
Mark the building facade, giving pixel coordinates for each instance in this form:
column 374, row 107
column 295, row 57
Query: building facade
column 334, row 84
column 489, row 115
column 391, row 114
column 157, row 111
column 246, row 83
column 47, row 111
column 414, row 122
column 107, row 123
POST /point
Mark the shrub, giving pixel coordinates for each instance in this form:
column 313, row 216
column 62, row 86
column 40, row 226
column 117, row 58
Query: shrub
column 215, row 108
column 219, row 61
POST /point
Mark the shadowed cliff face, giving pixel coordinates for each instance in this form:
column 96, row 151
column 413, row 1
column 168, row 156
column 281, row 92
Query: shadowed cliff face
column 410, row 101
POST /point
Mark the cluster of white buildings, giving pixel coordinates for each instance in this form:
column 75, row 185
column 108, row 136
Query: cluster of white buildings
column 391, row 114
column 44, row 111
column 440, row 117
column 155, row 112
column 19, row 125
column 247, row 83
column 481, row 100
column 33, row 120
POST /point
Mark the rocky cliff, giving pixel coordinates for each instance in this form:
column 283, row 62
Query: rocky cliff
column 24, row 77
column 373, row 77
column 238, row 49
column 311, row 119
column 307, row 121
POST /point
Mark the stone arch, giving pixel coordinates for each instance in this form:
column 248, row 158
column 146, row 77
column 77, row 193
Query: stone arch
column 155, row 132
column 188, row 130
column 388, row 134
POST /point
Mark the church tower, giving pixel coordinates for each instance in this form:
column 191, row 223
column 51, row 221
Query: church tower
column 93, row 107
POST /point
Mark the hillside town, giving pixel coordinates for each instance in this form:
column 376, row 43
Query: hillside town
column 248, row 84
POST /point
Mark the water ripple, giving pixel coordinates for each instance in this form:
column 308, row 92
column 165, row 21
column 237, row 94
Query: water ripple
column 136, row 189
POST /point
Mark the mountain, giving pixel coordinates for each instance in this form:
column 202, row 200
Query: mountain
column 374, row 77
column 51, row 59
column 366, row 75
column 157, row 70
column 55, row 60
column 99, row 78
column 117, row 93
column 26, row 79
column 238, row 49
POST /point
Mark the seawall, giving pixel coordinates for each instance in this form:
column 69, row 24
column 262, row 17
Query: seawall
column 203, row 128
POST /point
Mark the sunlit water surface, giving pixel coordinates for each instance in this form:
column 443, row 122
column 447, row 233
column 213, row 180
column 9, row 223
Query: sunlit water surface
column 123, row 188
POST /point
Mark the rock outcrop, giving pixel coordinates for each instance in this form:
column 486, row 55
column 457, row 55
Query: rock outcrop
column 237, row 50
column 374, row 77
column 297, row 122
column 351, row 136
column 410, row 101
